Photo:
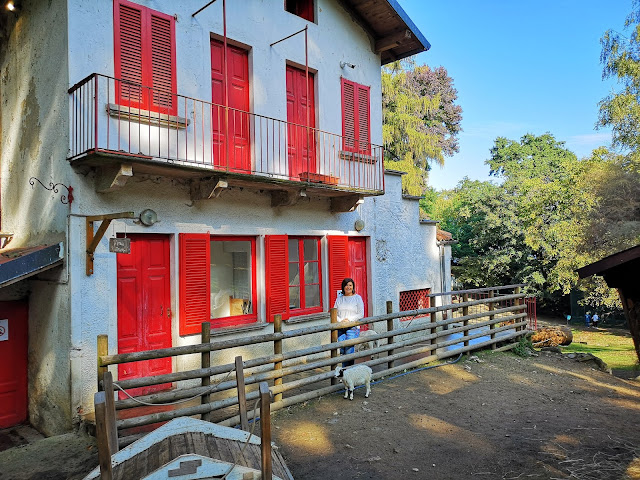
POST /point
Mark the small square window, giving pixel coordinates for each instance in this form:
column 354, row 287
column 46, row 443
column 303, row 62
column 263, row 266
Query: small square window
column 415, row 300
column 301, row 8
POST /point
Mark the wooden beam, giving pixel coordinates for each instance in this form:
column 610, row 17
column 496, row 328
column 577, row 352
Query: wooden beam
column 93, row 239
column 265, row 431
column 347, row 203
column 286, row 198
column 113, row 177
column 208, row 188
column 393, row 40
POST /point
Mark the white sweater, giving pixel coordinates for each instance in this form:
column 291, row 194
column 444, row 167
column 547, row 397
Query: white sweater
column 350, row 308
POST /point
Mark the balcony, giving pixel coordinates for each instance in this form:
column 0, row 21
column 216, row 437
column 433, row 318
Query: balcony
column 124, row 129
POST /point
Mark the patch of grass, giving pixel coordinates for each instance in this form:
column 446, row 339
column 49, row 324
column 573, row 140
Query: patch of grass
column 523, row 348
column 614, row 347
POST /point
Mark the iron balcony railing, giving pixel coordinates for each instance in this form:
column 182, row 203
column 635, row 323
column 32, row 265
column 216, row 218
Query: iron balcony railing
column 114, row 116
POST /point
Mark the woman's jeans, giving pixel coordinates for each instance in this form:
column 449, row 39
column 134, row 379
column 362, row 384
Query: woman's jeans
column 348, row 334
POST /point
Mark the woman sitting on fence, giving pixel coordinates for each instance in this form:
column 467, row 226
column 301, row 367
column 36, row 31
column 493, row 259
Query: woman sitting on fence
column 350, row 308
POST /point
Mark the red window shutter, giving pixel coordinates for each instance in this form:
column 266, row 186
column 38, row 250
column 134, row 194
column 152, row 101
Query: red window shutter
column 364, row 127
column 348, row 115
column 195, row 290
column 163, row 68
column 128, row 51
column 277, row 281
column 145, row 47
column 338, row 264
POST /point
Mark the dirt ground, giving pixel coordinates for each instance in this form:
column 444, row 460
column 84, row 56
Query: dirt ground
column 495, row 417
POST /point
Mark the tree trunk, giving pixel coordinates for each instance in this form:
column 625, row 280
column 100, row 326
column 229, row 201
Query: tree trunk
column 552, row 336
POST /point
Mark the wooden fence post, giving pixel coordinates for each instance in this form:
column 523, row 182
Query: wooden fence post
column 491, row 318
column 110, row 413
column 390, row 329
column 465, row 312
column 102, row 437
column 205, row 360
column 518, row 302
column 334, row 338
column 103, row 349
column 277, row 350
column 242, row 394
column 265, row 430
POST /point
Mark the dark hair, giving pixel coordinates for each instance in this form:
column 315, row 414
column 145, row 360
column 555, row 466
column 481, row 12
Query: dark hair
column 347, row 280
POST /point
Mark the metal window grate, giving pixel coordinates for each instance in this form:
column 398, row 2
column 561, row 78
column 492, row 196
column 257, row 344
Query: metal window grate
column 414, row 300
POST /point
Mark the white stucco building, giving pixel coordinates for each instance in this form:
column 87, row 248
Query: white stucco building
column 236, row 145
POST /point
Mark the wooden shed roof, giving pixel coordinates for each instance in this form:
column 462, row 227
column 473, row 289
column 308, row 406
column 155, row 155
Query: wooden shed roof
column 617, row 269
column 395, row 36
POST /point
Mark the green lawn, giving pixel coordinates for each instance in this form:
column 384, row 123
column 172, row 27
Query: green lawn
column 613, row 346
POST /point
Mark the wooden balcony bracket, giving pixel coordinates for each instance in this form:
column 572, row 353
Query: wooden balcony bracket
column 286, row 198
column 113, row 177
column 93, row 239
column 347, row 203
column 208, row 188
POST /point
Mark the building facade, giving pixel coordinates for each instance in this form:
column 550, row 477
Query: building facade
column 232, row 148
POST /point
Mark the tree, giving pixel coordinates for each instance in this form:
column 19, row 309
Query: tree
column 621, row 110
column 421, row 121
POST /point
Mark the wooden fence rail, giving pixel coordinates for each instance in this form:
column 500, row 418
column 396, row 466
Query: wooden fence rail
column 213, row 389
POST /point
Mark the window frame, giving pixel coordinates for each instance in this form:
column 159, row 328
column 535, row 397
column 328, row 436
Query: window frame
column 303, row 9
column 304, row 310
column 195, row 283
column 167, row 50
column 237, row 320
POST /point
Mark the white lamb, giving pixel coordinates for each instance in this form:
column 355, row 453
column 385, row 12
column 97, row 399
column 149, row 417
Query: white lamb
column 354, row 376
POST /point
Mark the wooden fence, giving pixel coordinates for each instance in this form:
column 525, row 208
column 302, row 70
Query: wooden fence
column 497, row 315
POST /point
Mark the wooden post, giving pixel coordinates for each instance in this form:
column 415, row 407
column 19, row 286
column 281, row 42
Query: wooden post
column 491, row 318
column 265, row 428
column 103, row 350
column 277, row 350
column 390, row 329
column 518, row 302
column 334, row 338
column 242, row 394
column 110, row 413
column 102, row 437
column 465, row 312
column 205, row 361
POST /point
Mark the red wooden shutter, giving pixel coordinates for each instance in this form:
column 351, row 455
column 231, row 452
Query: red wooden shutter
column 163, row 67
column 128, row 51
column 277, row 272
column 338, row 265
column 348, row 115
column 195, row 290
column 363, row 124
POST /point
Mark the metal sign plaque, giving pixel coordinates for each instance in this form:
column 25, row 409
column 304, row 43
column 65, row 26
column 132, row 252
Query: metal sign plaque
column 4, row 330
column 120, row 245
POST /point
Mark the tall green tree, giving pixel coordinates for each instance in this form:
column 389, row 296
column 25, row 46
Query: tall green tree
column 621, row 110
column 421, row 120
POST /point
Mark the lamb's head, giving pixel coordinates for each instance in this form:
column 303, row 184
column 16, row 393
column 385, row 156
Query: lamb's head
column 339, row 371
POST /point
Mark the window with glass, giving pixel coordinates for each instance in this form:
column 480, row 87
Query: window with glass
column 304, row 275
column 232, row 276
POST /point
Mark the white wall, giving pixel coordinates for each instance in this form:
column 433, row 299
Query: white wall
column 34, row 124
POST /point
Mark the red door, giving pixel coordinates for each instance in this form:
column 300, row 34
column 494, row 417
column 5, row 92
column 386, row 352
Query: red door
column 301, row 143
column 144, row 307
column 357, row 250
column 13, row 363
column 238, row 151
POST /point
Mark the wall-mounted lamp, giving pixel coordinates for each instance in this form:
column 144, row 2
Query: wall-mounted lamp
column 359, row 225
column 148, row 217
column 347, row 64
column 12, row 6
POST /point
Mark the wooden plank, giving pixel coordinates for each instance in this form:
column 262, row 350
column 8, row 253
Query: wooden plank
column 265, row 430
column 242, row 394
column 110, row 412
column 104, row 448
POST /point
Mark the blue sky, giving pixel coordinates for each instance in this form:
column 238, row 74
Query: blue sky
column 519, row 67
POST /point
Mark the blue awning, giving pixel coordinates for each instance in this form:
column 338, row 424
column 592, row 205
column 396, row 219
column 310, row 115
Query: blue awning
column 19, row 263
